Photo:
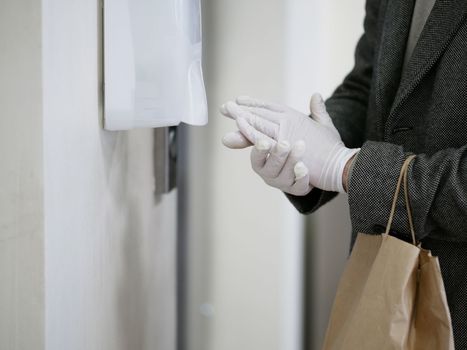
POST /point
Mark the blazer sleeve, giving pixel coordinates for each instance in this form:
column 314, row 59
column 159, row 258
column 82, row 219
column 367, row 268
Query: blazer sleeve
column 348, row 104
column 437, row 191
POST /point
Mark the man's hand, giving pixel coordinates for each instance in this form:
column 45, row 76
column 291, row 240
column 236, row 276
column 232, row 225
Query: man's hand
column 280, row 166
column 326, row 154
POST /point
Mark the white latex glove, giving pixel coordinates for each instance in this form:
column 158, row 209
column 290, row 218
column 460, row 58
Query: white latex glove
column 234, row 139
column 280, row 166
column 326, row 156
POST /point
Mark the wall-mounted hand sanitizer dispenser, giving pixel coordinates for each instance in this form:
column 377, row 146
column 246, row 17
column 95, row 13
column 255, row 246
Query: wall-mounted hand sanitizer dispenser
column 152, row 58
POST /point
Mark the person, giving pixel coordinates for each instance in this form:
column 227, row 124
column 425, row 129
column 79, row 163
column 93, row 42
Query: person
column 407, row 94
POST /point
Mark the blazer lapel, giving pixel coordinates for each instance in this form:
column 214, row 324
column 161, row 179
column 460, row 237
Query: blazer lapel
column 443, row 22
column 391, row 54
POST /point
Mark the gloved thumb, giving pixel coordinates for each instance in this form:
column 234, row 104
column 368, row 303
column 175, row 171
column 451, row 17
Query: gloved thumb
column 318, row 110
column 235, row 140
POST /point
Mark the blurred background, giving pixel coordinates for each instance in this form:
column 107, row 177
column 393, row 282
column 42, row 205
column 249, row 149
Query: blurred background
column 258, row 274
column 94, row 257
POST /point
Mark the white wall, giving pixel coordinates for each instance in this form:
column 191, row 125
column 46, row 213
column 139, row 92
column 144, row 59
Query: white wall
column 245, row 255
column 110, row 242
column 87, row 250
column 21, row 196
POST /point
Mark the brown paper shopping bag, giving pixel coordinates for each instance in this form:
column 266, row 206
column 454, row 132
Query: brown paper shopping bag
column 391, row 294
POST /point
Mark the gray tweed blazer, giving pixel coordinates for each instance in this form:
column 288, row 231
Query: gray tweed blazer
column 422, row 111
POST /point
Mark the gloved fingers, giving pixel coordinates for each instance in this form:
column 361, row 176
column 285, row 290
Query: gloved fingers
column 318, row 110
column 252, row 134
column 274, row 117
column 276, row 161
column 300, row 170
column 262, row 125
column 287, row 175
column 259, row 154
column 235, row 140
column 265, row 121
column 301, row 185
column 253, row 102
column 224, row 110
column 234, row 111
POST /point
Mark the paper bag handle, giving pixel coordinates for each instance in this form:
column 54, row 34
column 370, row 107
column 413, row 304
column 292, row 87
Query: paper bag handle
column 402, row 177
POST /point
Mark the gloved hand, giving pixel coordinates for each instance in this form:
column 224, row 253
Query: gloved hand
column 326, row 156
column 280, row 166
